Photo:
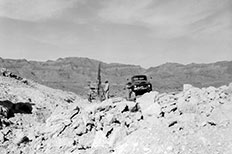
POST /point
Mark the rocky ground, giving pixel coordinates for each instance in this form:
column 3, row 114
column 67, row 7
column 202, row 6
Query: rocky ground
column 38, row 119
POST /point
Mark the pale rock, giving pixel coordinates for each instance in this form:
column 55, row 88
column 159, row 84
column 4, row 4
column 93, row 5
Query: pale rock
column 169, row 148
column 58, row 117
column 52, row 129
column 3, row 150
column 79, row 128
column 138, row 142
column 100, row 140
column 227, row 110
column 215, row 103
column 84, row 118
column 212, row 95
column 150, row 122
column 153, row 110
column 108, row 118
column 181, row 100
column 31, row 134
column 148, row 97
column 116, row 136
column 187, row 87
column 138, row 116
column 148, row 105
column 128, row 120
column 222, row 95
column 211, row 89
column 6, row 131
column 205, row 109
column 218, row 117
column 99, row 150
column 229, row 89
column 168, row 108
column 18, row 136
column 1, row 137
column 187, row 117
column 194, row 100
column 122, row 105
column 230, row 86
column 60, row 142
column 187, row 107
column 86, row 140
column 117, row 99
column 224, row 87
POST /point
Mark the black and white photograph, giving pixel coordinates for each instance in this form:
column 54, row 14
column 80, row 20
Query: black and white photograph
column 115, row 76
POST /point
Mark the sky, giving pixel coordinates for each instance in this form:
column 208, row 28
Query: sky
column 141, row 32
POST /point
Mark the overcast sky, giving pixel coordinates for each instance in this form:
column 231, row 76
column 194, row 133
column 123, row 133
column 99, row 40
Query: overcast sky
column 144, row 32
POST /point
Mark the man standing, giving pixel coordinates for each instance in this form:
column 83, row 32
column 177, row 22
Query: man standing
column 106, row 89
column 129, row 89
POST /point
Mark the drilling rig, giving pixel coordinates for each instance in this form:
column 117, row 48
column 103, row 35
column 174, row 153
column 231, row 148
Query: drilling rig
column 97, row 93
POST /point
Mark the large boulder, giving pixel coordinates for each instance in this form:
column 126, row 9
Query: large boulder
column 148, row 105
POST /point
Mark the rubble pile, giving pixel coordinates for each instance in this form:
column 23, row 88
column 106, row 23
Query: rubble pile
column 38, row 119
column 192, row 121
column 24, row 111
column 53, row 121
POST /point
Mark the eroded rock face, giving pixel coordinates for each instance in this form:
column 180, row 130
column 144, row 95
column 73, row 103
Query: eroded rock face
column 37, row 119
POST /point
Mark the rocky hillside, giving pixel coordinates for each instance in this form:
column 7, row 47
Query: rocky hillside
column 41, row 120
column 171, row 76
column 72, row 74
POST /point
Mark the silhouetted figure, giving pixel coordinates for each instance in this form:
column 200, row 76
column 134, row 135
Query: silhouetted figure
column 106, row 89
column 129, row 88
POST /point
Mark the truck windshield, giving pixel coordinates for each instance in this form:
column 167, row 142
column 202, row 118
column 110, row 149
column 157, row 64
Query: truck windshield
column 137, row 78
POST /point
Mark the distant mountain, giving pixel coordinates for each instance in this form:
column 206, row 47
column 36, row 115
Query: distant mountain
column 72, row 74
column 171, row 76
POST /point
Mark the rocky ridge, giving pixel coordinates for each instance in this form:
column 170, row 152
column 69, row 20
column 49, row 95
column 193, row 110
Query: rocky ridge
column 73, row 74
column 38, row 119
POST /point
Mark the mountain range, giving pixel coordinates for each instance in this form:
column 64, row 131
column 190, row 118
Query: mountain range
column 74, row 73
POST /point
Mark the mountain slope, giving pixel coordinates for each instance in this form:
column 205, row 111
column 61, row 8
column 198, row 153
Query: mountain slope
column 70, row 74
column 73, row 73
column 171, row 76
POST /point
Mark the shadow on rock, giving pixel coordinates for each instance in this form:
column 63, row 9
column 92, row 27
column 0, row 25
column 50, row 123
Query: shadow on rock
column 8, row 109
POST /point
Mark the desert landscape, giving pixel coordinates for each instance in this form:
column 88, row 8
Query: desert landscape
column 115, row 77
column 38, row 119
column 72, row 74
